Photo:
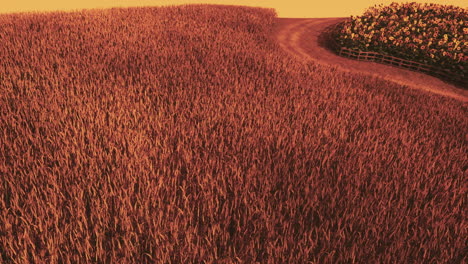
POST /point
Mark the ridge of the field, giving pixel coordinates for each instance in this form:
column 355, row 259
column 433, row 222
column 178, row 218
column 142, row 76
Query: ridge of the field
column 302, row 37
column 188, row 135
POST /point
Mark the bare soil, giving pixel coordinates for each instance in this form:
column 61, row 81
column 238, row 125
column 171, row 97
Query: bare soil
column 301, row 37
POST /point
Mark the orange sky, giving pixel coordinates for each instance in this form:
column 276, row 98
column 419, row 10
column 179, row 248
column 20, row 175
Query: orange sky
column 285, row 8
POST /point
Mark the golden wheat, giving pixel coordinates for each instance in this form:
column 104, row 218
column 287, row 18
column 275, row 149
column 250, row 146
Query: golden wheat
column 185, row 135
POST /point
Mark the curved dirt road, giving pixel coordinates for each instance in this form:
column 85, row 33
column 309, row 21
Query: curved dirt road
column 300, row 37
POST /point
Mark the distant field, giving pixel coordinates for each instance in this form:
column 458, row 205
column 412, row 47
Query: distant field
column 187, row 135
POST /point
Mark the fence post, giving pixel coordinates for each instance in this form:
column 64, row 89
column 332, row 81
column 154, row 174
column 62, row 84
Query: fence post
column 394, row 61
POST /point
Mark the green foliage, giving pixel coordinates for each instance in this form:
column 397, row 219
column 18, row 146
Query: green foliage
column 427, row 33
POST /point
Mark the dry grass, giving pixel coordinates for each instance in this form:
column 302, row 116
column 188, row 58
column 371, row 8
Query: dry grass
column 185, row 135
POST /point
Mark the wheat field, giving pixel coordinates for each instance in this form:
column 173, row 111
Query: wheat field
column 186, row 135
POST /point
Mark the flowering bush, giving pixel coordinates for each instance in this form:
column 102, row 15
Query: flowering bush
column 427, row 33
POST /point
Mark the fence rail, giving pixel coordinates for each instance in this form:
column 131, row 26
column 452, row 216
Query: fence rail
column 391, row 60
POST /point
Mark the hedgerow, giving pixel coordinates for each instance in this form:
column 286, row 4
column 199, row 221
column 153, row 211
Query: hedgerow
column 427, row 33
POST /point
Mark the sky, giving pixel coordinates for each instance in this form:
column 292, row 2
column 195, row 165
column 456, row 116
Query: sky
column 284, row 8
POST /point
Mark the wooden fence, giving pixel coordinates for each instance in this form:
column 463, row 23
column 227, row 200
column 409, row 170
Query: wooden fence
column 390, row 60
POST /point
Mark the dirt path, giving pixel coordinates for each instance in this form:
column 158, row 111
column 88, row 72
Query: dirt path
column 300, row 38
